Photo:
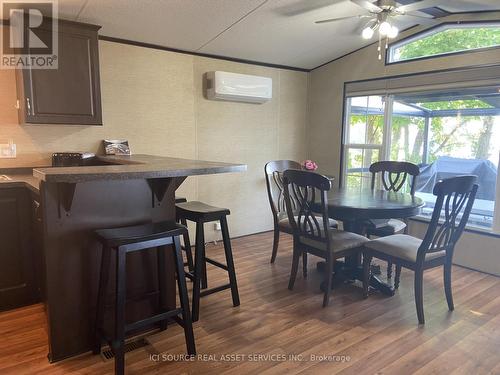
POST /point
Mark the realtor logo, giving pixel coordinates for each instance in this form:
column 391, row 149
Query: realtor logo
column 29, row 38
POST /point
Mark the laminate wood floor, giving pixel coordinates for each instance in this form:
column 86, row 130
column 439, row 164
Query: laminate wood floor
column 277, row 331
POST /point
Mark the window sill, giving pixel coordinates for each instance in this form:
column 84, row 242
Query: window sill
column 485, row 232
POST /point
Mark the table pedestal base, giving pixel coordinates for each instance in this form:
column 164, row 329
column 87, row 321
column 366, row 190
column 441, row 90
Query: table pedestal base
column 346, row 273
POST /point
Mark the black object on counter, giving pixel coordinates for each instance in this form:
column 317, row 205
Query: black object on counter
column 71, row 159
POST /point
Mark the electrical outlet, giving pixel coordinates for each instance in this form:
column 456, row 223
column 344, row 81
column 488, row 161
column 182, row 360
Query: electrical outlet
column 8, row 150
column 217, row 226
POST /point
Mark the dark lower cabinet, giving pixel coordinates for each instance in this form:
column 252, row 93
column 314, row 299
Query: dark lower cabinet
column 18, row 277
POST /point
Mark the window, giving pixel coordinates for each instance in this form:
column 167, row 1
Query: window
column 447, row 133
column 446, row 39
column 364, row 133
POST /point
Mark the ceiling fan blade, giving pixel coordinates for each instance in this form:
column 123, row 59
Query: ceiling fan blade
column 421, row 20
column 340, row 19
column 365, row 4
column 424, row 4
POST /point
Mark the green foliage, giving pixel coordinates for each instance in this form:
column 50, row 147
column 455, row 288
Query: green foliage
column 442, row 142
column 451, row 40
column 456, row 104
column 403, row 145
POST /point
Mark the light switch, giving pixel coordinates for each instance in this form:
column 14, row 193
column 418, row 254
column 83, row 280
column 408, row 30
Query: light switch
column 8, row 150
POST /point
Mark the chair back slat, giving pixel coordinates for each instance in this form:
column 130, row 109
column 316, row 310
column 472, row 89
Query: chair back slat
column 455, row 198
column 306, row 220
column 394, row 175
column 274, row 183
column 307, row 189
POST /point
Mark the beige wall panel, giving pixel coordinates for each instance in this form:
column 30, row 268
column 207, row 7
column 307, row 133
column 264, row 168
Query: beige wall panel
column 237, row 132
column 252, row 134
column 155, row 100
column 292, row 133
column 148, row 99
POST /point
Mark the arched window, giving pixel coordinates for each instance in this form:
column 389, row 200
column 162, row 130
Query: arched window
column 444, row 40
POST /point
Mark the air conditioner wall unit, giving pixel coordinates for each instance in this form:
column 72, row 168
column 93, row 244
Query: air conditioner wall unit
column 238, row 87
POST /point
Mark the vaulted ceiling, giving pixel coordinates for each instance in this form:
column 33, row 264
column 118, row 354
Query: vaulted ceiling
column 279, row 32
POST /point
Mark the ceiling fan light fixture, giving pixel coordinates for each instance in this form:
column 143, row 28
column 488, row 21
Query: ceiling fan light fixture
column 385, row 28
column 367, row 33
column 382, row 14
column 394, row 32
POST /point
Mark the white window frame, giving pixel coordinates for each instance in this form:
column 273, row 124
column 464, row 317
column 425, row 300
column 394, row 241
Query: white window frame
column 382, row 148
column 496, row 214
column 385, row 147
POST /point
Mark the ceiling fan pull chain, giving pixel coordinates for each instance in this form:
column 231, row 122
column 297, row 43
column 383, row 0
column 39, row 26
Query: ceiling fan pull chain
column 379, row 49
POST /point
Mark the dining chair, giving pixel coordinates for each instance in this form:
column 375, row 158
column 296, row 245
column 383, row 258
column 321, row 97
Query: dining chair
column 455, row 197
column 274, row 182
column 394, row 176
column 312, row 233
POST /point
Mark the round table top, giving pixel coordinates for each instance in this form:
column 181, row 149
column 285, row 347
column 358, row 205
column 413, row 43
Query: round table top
column 356, row 204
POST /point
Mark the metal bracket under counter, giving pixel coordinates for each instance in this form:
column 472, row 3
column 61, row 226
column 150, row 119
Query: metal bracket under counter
column 159, row 187
column 66, row 193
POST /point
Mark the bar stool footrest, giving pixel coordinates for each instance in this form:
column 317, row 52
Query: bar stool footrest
column 216, row 264
column 206, row 292
column 154, row 319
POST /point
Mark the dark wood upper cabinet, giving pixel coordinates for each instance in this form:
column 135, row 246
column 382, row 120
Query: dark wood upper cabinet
column 71, row 93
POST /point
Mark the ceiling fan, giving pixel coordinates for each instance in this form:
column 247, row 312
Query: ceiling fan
column 380, row 15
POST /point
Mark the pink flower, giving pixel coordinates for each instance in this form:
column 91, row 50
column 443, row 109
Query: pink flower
column 310, row 165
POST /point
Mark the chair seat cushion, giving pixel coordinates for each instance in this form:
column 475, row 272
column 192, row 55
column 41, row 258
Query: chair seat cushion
column 391, row 227
column 339, row 240
column 285, row 225
column 401, row 246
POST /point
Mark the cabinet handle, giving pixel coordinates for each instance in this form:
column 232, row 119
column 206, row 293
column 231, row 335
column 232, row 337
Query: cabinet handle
column 36, row 211
column 28, row 106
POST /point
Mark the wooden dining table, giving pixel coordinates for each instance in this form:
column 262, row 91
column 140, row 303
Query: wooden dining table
column 353, row 206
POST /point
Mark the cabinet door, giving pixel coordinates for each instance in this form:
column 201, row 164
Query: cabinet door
column 17, row 273
column 69, row 94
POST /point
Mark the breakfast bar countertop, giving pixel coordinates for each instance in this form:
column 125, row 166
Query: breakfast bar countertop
column 134, row 167
column 75, row 202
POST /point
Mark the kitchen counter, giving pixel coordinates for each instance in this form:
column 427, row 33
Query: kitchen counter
column 110, row 192
column 134, row 167
column 21, row 178
column 114, row 168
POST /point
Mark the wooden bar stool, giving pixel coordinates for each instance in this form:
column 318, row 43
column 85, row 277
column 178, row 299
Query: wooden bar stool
column 201, row 213
column 136, row 238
